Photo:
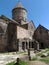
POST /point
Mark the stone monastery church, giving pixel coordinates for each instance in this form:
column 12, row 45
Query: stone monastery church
column 19, row 34
column 16, row 34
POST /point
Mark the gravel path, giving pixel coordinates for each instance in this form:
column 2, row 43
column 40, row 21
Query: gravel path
column 36, row 63
column 25, row 58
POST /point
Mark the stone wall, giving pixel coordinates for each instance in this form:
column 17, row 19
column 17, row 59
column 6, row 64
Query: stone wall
column 11, row 37
column 31, row 29
column 21, row 33
column 3, row 42
column 19, row 14
column 41, row 35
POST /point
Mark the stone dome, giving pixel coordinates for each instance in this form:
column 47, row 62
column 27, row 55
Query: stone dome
column 19, row 12
column 19, row 5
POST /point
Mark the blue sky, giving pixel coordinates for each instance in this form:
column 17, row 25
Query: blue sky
column 37, row 10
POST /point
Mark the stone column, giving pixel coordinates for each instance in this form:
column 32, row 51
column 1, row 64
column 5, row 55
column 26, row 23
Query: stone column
column 28, row 44
column 20, row 45
column 25, row 46
column 37, row 45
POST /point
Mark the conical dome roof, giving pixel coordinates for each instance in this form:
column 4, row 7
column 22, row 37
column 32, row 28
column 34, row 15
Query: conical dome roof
column 19, row 5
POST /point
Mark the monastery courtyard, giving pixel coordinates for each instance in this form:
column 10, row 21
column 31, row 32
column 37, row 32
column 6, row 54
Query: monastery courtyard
column 6, row 58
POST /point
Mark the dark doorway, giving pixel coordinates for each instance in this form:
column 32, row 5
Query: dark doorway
column 23, row 45
column 26, row 45
column 29, row 44
column 32, row 45
column 41, row 45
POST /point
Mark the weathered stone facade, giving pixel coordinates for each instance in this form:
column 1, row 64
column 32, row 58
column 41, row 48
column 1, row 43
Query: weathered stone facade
column 41, row 35
column 18, row 32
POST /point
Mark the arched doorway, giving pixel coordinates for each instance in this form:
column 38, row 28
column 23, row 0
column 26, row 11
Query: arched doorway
column 41, row 45
column 32, row 45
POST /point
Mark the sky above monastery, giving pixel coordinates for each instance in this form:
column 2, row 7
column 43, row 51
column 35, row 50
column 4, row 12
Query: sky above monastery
column 37, row 10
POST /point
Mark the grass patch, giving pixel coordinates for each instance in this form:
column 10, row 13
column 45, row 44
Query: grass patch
column 46, row 59
column 39, row 54
column 21, row 52
column 23, row 63
column 12, row 63
column 48, row 53
column 43, row 51
column 20, row 63
column 24, row 52
column 35, row 58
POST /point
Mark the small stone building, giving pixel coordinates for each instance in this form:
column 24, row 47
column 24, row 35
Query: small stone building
column 41, row 35
column 16, row 33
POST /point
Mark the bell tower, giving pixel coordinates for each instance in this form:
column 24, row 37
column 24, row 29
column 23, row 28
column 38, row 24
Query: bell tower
column 19, row 13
